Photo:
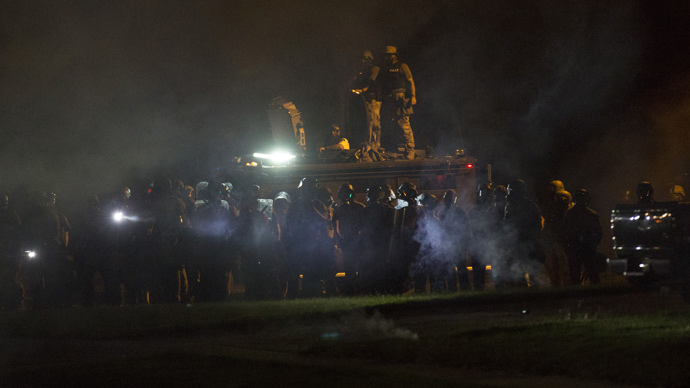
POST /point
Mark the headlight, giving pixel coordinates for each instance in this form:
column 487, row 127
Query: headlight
column 276, row 157
column 31, row 254
column 118, row 216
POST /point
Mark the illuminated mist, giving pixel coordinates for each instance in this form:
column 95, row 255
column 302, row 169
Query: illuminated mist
column 95, row 95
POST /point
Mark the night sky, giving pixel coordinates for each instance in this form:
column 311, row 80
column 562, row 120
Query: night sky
column 96, row 93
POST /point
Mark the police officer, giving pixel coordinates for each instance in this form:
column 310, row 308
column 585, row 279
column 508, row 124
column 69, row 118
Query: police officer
column 309, row 248
column 169, row 223
column 479, row 225
column 398, row 97
column 552, row 237
column 524, row 224
column 95, row 245
column 348, row 219
column 408, row 217
column 43, row 268
column 582, row 233
column 211, row 225
column 376, row 239
column 365, row 84
column 10, row 256
column 645, row 193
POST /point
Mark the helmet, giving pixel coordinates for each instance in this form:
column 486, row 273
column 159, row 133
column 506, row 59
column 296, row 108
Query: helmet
column 282, row 196
column 366, row 54
column 346, row 192
column 201, row 190
column 581, row 197
column 449, row 198
column 644, row 192
column 428, row 200
column 556, row 186
column 161, row 185
column 483, row 194
column 407, row 191
column 376, row 193
column 498, row 194
column 391, row 50
column 325, row 195
column 216, row 189
column 563, row 198
column 308, row 183
column 517, row 187
column 677, row 193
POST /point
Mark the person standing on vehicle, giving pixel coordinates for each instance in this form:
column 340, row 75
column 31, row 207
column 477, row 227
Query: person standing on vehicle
column 398, row 96
column 582, row 233
column 365, row 85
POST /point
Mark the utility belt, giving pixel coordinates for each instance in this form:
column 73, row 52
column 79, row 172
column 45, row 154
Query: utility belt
column 393, row 94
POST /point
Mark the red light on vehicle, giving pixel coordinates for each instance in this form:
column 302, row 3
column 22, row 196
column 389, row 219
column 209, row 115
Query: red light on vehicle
column 470, row 165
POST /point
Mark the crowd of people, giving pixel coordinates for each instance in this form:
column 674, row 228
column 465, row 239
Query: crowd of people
column 174, row 243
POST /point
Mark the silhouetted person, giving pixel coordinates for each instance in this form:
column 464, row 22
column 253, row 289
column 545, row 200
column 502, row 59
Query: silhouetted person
column 309, row 252
column 169, row 222
column 554, row 244
column 582, row 231
column 211, row 225
column 524, row 224
column 480, row 224
column 348, row 217
column 45, row 272
column 376, row 239
column 645, row 193
column 405, row 244
column 10, row 256
column 95, row 250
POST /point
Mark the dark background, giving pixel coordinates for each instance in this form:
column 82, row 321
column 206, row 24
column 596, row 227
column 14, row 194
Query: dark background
column 95, row 94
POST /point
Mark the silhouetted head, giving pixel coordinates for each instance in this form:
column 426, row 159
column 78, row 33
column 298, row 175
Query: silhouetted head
column 645, row 192
column 581, row 197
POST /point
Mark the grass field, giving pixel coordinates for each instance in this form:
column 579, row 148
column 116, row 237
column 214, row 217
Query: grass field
column 590, row 336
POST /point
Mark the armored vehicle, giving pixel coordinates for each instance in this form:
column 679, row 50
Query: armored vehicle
column 431, row 174
column 651, row 243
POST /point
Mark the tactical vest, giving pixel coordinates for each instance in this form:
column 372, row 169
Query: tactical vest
column 363, row 80
column 393, row 79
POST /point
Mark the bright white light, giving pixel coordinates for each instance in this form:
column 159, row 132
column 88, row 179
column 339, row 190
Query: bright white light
column 31, row 254
column 118, row 216
column 277, row 157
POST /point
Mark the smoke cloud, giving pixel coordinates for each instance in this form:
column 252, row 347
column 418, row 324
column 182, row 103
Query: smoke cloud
column 95, row 95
